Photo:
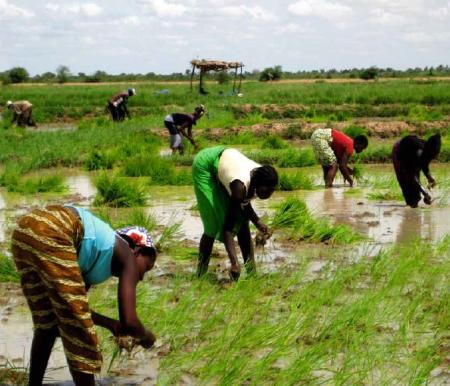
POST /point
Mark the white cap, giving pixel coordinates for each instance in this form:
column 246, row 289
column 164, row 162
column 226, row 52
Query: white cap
column 9, row 103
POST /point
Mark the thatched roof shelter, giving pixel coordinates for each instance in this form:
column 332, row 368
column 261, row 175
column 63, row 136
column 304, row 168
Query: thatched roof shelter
column 216, row 65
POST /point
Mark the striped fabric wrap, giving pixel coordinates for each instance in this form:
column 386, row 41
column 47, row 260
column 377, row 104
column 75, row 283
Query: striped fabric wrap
column 44, row 247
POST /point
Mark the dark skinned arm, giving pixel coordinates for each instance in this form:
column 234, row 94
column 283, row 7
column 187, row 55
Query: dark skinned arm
column 426, row 171
column 110, row 324
column 346, row 172
column 188, row 135
column 128, row 279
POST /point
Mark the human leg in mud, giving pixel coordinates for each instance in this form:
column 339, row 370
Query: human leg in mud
column 205, row 249
column 113, row 111
column 329, row 174
column 246, row 245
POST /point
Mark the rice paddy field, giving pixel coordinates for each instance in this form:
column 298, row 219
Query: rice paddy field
column 353, row 287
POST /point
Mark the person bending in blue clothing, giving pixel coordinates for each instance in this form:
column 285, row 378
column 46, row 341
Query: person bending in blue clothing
column 60, row 251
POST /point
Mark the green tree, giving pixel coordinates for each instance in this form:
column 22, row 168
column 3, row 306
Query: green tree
column 369, row 73
column 18, row 75
column 62, row 74
column 271, row 73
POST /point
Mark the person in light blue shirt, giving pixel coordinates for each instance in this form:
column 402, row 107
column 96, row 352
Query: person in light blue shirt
column 60, row 251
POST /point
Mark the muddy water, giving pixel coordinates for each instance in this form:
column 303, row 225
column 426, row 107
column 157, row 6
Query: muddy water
column 383, row 222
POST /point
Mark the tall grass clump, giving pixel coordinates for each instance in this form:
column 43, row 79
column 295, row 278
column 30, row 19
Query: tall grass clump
column 99, row 160
column 13, row 181
column 380, row 320
column 162, row 171
column 295, row 181
column 8, row 271
column 293, row 216
column 117, row 191
column 273, row 142
column 353, row 131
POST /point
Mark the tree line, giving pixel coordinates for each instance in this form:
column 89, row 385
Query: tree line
column 63, row 75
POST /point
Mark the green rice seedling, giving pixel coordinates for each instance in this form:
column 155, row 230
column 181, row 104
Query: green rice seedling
column 13, row 181
column 354, row 130
column 8, row 271
column 352, row 324
column 139, row 217
column 273, row 142
column 297, row 158
column 117, row 191
column 295, row 181
column 43, row 184
column 388, row 195
column 293, row 215
column 99, row 160
column 169, row 236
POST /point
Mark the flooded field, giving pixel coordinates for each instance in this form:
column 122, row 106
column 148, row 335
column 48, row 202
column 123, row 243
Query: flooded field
column 381, row 222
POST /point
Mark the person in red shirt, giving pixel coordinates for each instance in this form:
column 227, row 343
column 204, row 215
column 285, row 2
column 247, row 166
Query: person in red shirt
column 333, row 149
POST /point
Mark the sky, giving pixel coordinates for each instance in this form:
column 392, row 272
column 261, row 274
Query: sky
column 163, row 36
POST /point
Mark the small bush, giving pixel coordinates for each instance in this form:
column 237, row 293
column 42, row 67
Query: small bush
column 118, row 192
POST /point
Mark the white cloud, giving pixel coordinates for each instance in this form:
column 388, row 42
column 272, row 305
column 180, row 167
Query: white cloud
column 384, row 17
column 320, row 8
column 441, row 13
column 163, row 8
column 292, row 28
column 10, row 11
column 254, row 11
column 86, row 9
column 131, row 20
column 421, row 38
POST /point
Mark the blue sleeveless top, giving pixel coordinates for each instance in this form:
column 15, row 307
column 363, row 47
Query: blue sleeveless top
column 96, row 249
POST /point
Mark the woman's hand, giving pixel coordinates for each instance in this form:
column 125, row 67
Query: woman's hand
column 235, row 272
column 263, row 228
column 431, row 182
column 148, row 340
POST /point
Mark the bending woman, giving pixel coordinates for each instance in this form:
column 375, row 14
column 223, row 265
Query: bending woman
column 410, row 155
column 60, row 251
column 333, row 150
column 225, row 181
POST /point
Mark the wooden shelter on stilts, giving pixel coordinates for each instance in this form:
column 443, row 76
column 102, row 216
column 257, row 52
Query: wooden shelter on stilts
column 216, row 65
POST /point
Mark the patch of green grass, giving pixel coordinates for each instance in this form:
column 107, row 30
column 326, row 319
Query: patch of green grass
column 117, row 191
column 8, row 271
column 162, row 171
column 295, row 181
column 293, row 216
column 380, row 320
column 273, row 142
column 13, row 181
column 100, row 160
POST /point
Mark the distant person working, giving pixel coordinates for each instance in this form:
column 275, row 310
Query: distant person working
column 177, row 123
column 333, row 150
column 117, row 105
column 410, row 155
column 22, row 113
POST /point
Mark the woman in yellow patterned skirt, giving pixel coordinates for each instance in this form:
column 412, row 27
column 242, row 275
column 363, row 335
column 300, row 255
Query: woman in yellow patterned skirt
column 60, row 251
